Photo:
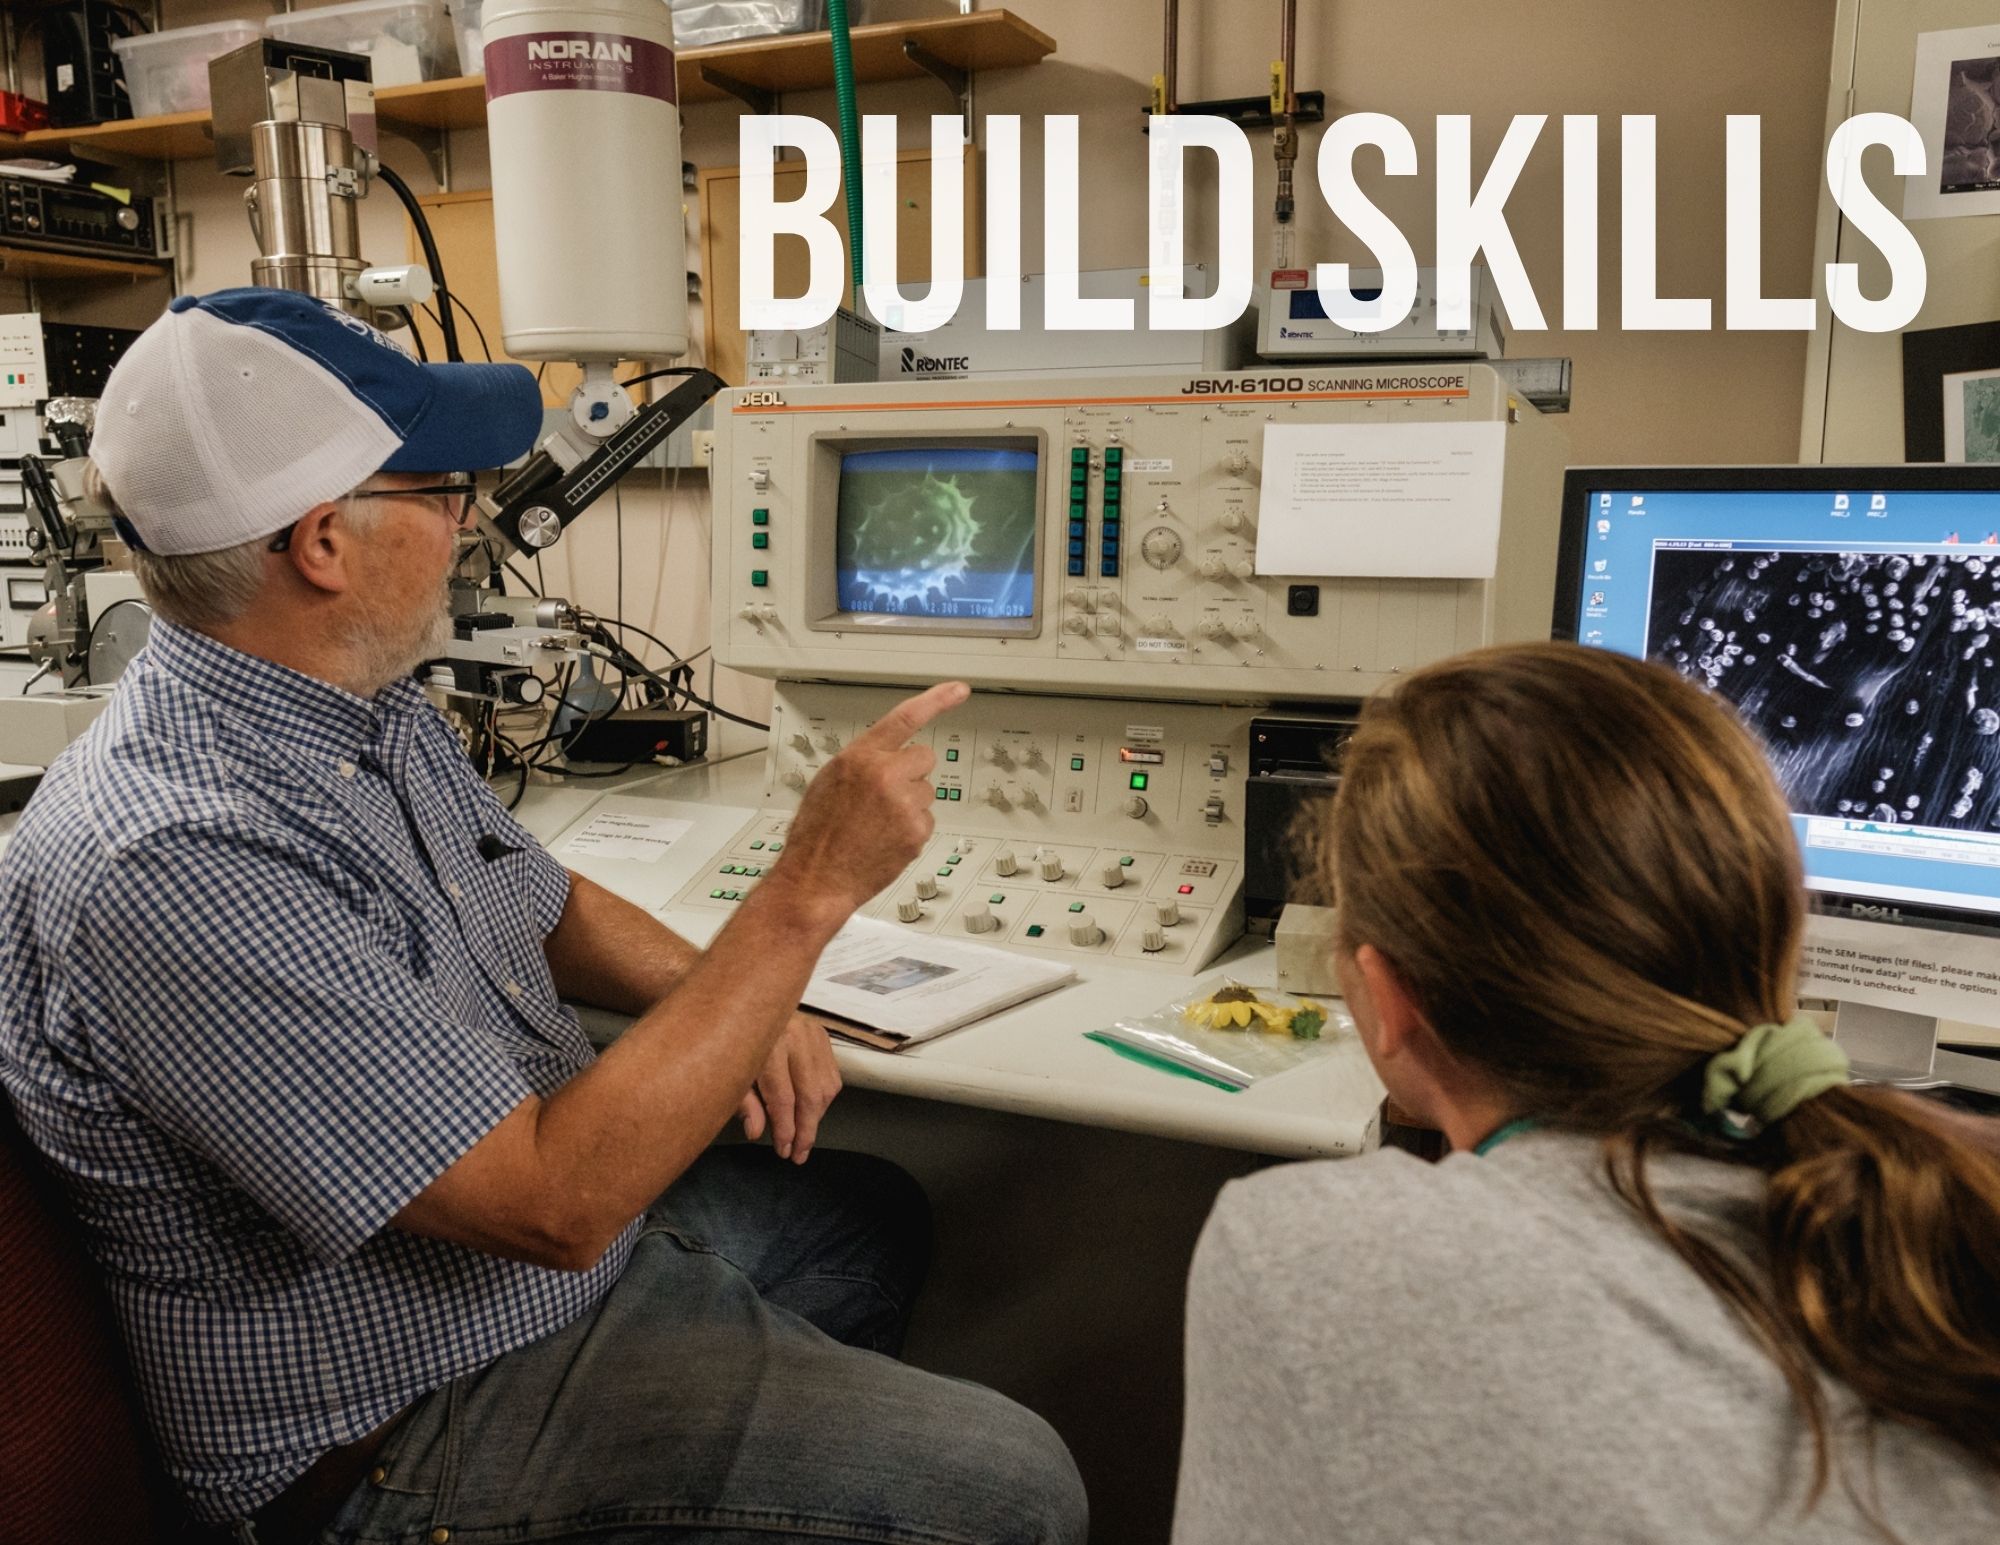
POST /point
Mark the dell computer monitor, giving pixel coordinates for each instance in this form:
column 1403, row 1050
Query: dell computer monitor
column 1852, row 616
column 937, row 536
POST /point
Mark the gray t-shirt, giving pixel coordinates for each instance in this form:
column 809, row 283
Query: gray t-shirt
column 1499, row 1349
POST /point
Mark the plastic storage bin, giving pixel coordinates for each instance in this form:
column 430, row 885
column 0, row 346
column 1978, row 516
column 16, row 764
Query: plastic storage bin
column 167, row 72
column 701, row 23
column 406, row 41
column 465, row 15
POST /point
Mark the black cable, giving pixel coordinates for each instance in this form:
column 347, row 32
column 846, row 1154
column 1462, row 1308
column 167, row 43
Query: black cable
column 428, row 242
column 701, row 702
column 508, row 564
column 654, row 375
column 466, row 312
column 416, row 337
column 521, row 761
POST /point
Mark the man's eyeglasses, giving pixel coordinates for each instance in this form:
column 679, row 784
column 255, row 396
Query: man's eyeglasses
column 455, row 498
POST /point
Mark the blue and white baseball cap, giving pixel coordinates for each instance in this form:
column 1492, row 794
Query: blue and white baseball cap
column 237, row 412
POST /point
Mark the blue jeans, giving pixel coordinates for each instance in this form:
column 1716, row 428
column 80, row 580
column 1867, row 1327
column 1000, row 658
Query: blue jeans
column 736, row 1387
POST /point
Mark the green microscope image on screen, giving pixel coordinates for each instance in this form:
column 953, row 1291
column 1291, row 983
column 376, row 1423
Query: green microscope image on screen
column 945, row 531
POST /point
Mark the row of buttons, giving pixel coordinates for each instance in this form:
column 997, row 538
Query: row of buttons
column 1079, row 493
column 761, row 541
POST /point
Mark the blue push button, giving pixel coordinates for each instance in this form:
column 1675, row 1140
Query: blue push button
column 1109, row 568
column 1076, row 567
column 1076, row 549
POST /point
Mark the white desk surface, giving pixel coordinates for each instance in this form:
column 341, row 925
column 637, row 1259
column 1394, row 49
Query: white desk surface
column 1032, row 1060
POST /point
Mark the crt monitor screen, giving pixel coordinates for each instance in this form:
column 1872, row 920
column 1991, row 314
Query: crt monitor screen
column 938, row 531
column 1852, row 616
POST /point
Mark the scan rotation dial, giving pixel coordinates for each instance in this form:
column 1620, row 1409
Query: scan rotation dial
column 1161, row 547
column 921, row 537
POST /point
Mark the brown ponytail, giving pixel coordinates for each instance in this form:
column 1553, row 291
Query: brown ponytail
column 1583, row 868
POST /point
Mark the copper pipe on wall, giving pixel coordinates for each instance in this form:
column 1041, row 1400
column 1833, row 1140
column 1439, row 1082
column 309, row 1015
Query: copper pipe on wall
column 1285, row 134
column 1173, row 51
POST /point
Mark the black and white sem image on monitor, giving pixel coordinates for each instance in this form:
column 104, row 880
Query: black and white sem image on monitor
column 1870, row 676
column 941, row 531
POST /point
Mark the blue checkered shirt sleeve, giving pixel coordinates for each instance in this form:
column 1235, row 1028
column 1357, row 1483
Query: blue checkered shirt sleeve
column 296, row 1049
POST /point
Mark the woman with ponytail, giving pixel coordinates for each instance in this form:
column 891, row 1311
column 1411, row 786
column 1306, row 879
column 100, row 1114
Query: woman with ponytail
column 1680, row 1281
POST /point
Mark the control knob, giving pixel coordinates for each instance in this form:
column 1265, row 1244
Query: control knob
column 996, row 795
column 1084, row 932
column 1079, row 598
column 1213, row 568
column 1245, row 627
column 1136, row 807
column 1113, row 876
column 1158, row 625
column 1160, row 547
column 1076, row 624
column 802, row 743
column 794, row 779
column 829, row 742
column 1211, row 627
column 980, row 919
column 1030, row 800
column 1167, row 913
column 926, row 887
column 1243, row 568
column 1236, row 463
column 128, row 219
column 1050, row 866
column 1002, row 757
column 1005, row 863
column 909, row 911
column 1232, row 520
column 750, row 614
column 1153, row 940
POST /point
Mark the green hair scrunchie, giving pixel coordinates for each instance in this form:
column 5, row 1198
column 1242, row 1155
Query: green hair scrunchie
column 1773, row 1070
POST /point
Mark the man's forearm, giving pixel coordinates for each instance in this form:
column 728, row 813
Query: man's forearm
column 607, row 952
column 616, row 1135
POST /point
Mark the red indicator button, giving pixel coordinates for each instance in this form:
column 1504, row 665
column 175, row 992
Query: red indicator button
column 1187, row 890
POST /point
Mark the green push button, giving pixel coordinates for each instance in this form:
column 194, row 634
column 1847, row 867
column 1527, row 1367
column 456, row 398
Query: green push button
column 776, row 846
column 756, row 847
column 715, row 895
column 944, row 874
column 954, row 794
column 1079, row 454
column 760, row 578
column 760, row 539
column 1076, row 764
column 732, row 895
column 1114, row 455
column 955, row 859
column 1125, row 862
column 941, row 793
column 951, row 754
column 1076, row 906
column 1035, row 930
column 760, row 517
column 995, row 899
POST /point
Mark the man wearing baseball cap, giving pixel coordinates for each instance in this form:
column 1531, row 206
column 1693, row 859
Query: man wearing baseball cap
column 395, row 1254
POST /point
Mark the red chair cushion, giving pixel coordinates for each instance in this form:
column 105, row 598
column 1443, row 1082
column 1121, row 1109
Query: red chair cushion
column 74, row 1464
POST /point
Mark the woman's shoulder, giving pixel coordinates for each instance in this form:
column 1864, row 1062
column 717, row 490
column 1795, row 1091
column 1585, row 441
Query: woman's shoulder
column 1531, row 1204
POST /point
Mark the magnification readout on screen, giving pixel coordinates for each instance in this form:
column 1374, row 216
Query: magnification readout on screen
column 944, row 531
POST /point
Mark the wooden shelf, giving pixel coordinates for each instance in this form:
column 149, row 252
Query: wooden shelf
column 985, row 40
column 33, row 263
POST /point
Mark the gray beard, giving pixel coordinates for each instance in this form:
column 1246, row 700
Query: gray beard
column 387, row 650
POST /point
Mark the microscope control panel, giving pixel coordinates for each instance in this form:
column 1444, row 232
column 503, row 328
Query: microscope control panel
column 1099, row 535
column 1064, row 825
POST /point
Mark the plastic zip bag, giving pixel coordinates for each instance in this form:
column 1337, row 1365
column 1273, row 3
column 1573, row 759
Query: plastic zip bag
column 1281, row 1031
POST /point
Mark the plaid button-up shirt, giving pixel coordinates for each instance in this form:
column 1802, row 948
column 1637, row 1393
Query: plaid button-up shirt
column 270, row 962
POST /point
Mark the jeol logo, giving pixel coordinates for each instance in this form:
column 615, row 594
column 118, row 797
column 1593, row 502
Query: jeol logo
column 595, row 49
column 930, row 364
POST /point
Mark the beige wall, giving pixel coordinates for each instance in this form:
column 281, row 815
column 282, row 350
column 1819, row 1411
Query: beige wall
column 1640, row 397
